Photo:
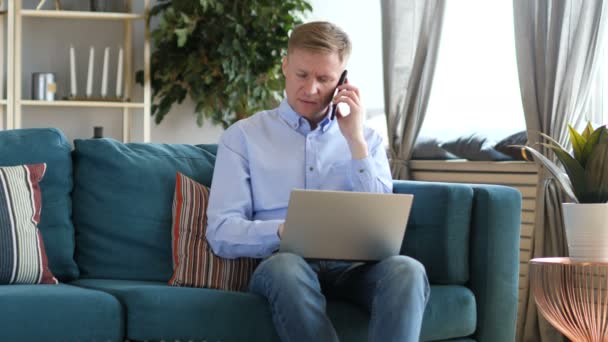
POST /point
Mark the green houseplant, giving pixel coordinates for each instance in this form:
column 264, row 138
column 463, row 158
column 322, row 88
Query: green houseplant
column 586, row 182
column 224, row 55
column 586, row 178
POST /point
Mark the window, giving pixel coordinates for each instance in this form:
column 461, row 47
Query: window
column 362, row 20
column 476, row 84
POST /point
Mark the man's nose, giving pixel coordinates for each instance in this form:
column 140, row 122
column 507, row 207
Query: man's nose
column 311, row 86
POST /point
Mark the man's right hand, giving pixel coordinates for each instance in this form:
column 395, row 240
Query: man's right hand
column 280, row 231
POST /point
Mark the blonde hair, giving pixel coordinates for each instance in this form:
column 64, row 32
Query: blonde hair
column 320, row 36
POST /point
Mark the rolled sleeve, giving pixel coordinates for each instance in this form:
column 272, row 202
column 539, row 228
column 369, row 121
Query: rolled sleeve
column 231, row 231
column 363, row 173
column 372, row 173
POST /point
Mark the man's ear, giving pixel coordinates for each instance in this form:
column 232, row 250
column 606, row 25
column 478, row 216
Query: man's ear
column 284, row 66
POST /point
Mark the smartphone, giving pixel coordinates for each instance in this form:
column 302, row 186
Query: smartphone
column 340, row 82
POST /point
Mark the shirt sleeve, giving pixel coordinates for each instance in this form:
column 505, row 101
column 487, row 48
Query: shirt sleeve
column 231, row 232
column 372, row 173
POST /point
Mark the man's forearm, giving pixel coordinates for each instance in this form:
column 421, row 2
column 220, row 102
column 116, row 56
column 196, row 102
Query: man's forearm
column 358, row 149
column 237, row 237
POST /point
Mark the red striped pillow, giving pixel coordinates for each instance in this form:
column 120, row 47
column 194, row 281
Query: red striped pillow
column 194, row 264
column 23, row 258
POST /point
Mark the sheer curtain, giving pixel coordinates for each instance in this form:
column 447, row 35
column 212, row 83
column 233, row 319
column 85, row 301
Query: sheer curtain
column 411, row 31
column 558, row 43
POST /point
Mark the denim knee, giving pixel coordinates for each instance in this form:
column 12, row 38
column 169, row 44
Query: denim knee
column 403, row 273
column 283, row 270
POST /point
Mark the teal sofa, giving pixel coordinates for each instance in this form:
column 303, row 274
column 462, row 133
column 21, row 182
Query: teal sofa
column 106, row 218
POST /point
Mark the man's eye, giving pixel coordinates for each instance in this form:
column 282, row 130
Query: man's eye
column 301, row 75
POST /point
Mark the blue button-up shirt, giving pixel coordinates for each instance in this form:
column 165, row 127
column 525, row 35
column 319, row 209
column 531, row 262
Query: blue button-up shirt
column 262, row 158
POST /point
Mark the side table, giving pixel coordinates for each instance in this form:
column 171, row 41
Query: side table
column 572, row 296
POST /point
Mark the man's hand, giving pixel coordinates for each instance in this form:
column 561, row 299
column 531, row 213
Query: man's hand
column 280, row 231
column 351, row 125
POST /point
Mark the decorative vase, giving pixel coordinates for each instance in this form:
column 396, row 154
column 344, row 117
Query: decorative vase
column 586, row 228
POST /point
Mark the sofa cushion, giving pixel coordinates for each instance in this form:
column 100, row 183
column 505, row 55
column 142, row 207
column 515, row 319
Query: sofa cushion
column 59, row 313
column 158, row 311
column 122, row 198
column 194, row 263
column 438, row 230
column 48, row 145
column 451, row 312
column 23, row 257
column 474, row 148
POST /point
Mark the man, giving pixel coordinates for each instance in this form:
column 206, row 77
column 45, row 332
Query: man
column 297, row 145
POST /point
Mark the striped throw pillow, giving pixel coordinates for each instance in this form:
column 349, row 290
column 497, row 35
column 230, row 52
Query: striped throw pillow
column 23, row 258
column 194, row 264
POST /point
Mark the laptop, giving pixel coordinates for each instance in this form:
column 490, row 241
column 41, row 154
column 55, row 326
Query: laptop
column 345, row 225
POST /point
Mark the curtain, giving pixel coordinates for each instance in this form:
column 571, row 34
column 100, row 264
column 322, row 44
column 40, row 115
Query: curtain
column 411, row 31
column 558, row 44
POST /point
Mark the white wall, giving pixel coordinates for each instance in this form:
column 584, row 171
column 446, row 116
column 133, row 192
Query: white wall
column 45, row 48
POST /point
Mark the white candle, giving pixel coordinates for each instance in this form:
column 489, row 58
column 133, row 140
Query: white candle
column 90, row 73
column 72, row 71
column 104, row 74
column 119, row 75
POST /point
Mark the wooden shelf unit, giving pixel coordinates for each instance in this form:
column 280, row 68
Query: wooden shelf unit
column 81, row 15
column 97, row 104
column 15, row 102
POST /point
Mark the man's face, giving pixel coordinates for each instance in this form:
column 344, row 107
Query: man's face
column 310, row 81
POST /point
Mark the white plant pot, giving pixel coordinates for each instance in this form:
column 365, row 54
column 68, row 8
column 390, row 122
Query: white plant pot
column 587, row 231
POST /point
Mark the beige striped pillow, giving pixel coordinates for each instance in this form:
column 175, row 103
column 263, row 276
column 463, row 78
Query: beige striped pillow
column 194, row 264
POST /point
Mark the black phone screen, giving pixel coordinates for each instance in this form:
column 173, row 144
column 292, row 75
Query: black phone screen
column 340, row 82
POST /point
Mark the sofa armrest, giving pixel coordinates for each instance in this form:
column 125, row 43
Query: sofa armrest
column 491, row 216
column 495, row 235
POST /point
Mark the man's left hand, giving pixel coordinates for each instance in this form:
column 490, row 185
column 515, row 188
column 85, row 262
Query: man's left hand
column 351, row 125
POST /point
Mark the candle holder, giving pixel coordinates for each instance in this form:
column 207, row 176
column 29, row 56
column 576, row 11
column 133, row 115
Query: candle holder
column 88, row 93
column 43, row 86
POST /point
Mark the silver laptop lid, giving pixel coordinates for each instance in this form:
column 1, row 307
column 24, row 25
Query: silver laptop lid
column 345, row 225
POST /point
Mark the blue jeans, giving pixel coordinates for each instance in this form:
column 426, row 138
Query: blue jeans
column 394, row 290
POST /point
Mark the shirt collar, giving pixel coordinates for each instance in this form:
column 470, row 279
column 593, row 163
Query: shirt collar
column 295, row 120
column 289, row 115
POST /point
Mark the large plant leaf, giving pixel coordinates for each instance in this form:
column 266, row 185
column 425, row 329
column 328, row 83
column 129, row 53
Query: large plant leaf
column 578, row 143
column 597, row 175
column 594, row 138
column 588, row 130
column 573, row 168
column 557, row 173
column 552, row 141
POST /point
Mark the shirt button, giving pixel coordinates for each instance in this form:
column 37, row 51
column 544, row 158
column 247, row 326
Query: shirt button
column 361, row 170
column 311, row 168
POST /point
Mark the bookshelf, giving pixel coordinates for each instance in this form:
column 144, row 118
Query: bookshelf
column 16, row 103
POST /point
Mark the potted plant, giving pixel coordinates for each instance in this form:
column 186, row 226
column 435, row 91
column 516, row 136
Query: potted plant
column 586, row 183
column 224, row 55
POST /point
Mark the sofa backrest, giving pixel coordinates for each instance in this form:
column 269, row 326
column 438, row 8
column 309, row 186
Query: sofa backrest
column 123, row 195
column 48, row 145
column 122, row 200
column 439, row 229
